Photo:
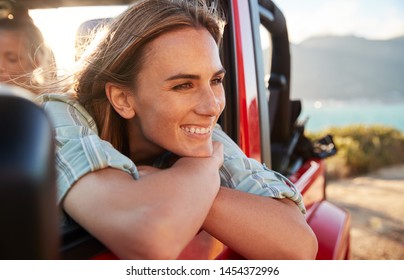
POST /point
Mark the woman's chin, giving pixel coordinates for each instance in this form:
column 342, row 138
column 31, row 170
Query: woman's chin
column 205, row 152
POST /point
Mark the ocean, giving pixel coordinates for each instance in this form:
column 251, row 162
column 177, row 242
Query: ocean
column 323, row 114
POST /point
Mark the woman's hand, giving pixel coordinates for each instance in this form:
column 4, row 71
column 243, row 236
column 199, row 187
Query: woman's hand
column 214, row 161
column 205, row 166
column 145, row 170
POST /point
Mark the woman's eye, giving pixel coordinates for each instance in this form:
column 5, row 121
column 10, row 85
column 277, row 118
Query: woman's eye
column 183, row 86
column 217, row 81
column 12, row 58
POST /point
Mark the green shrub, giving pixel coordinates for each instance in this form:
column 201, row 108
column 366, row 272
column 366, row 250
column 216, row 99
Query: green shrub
column 362, row 149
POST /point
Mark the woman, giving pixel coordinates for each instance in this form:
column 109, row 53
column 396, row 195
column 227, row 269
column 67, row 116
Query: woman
column 142, row 164
column 25, row 60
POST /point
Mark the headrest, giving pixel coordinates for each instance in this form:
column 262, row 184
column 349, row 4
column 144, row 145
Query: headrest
column 85, row 32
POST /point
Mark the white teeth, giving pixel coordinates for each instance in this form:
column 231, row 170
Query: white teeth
column 198, row 130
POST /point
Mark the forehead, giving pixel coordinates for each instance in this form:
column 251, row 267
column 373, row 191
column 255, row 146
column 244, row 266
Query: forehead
column 11, row 38
column 183, row 33
column 187, row 46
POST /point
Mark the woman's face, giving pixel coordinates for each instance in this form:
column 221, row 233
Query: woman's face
column 14, row 57
column 179, row 94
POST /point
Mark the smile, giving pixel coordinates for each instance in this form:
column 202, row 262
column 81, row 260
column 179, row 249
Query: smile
column 196, row 130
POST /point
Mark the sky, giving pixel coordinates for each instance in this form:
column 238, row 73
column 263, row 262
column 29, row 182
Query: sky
column 372, row 19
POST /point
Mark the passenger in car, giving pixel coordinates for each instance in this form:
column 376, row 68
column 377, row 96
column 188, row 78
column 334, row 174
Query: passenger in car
column 142, row 163
column 25, row 59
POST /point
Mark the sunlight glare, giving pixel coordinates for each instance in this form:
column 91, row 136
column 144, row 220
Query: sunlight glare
column 59, row 28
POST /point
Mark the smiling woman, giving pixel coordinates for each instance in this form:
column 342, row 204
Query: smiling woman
column 140, row 153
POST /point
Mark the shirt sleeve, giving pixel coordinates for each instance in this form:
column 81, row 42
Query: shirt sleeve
column 79, row 149
column 248, row 175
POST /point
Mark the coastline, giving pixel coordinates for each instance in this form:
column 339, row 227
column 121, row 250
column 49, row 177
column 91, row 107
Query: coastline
column 322, row 114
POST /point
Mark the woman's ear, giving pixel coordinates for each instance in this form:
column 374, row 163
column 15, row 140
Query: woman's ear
column 120, row 100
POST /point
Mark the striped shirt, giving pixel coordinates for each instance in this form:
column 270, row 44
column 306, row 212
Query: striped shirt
column 80, row 150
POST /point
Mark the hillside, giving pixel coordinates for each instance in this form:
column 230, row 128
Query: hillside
column 348, row 67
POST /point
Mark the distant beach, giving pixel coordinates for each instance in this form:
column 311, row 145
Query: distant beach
column 322, row 114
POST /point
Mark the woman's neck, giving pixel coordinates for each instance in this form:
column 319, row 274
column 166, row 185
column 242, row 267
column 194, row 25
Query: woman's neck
column 141, row 150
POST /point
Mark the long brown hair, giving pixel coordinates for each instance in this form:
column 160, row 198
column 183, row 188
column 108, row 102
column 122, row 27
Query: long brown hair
column 119, row 55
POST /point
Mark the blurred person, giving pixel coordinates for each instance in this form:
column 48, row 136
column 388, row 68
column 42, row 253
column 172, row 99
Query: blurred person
column 25, row 59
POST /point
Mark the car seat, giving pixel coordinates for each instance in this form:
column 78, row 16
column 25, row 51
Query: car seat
column 85, row 33
column 28, row 212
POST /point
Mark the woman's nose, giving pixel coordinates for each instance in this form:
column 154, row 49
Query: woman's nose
column 211, row 103
column 2, row 68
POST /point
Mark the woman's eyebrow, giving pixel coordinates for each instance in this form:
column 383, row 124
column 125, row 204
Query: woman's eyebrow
column 192, row 76
column 183, row 76
column 221, row 71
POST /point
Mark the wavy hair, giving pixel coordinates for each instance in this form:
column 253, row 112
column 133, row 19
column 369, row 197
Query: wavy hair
column 118, row 56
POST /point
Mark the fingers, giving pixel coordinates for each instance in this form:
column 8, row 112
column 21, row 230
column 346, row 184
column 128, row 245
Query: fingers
column 146, row 170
